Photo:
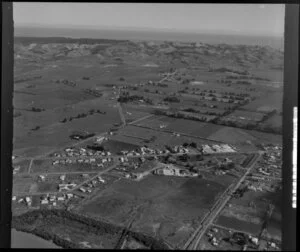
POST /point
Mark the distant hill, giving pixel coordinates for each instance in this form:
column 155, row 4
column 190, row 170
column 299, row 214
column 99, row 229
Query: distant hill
column 218, row 55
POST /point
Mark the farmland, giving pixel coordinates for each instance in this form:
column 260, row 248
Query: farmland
column 138, row 144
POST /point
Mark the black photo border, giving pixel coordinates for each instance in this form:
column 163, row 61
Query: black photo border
column 291, row 79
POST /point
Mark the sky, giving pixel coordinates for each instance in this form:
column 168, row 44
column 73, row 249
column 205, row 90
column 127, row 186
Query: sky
column 244, row 19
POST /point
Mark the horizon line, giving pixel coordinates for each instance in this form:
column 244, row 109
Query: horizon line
column 134, row 28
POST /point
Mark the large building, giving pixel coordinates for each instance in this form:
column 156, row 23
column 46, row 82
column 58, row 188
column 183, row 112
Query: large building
column 171, row 170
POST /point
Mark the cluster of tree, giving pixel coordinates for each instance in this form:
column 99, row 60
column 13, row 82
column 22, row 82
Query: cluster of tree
column 244, row 82
column 83, row 115
column 192, row 144
column 171, row 99
column 93, row 92
column 191, row 110
column 124, row 98
column 183, row 115
column 85, row 78
column 109, row 85
column 34, row 109
column 240, row 192
column 122, row 79
column 224, row 69
column 66, row 82
column 90, row 225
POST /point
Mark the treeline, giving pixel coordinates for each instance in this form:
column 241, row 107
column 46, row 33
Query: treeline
column 181, row 115
column 132, row 98
column 93, row 92
column 225, row 69
column 89, row 225
column 66, row 82
column 34, row 109
column 171, row 99
column 247, row 78
column 47, row 40
column 248, row 126
column 82, row 115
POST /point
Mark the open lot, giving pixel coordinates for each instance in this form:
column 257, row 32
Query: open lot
column 239, row 216
column 162, row 205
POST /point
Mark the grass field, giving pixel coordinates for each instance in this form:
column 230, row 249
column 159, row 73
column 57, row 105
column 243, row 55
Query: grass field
column 24, row 184
column 238, row 215
column 274, row 122
column 166, row 206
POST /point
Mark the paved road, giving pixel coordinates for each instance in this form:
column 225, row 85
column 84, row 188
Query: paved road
column 193, row 245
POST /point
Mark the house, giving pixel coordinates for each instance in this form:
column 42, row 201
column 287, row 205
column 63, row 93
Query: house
column 14, row 198
column 60, row 198
column 82, row 189
column 20, row 200
column 69, row 195
column 62, row 177
column 44, row 201
column 27, row 199
column 55, row 162
column 42, row 177
column 101, row 179
column 52, row 198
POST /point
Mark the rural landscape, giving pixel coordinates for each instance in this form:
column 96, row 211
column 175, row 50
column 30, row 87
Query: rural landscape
column 127, row 144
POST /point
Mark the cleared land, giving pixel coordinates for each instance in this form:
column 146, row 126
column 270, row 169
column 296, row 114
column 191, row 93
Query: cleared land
column 166, row 206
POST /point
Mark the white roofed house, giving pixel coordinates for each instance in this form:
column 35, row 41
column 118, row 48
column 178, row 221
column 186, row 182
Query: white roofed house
column 62, row 177
column 42, row 177
column 61, row 198
column 44, row 201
